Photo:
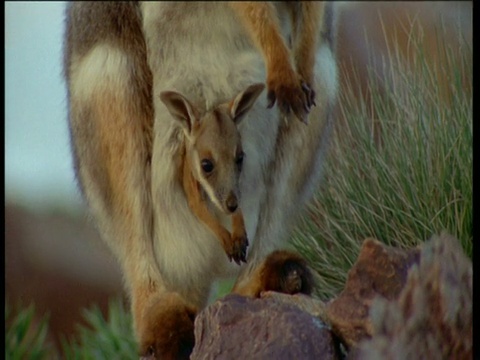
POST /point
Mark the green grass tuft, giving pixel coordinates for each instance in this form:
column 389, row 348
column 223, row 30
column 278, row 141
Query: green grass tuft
column 400, row 175
column 25, row 336
column 110, row 338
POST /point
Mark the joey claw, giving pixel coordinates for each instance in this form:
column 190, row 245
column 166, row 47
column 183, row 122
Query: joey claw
column 244, row 251
column 238, row 250
column 243, row 256
column 307, row 108
column 312, row 98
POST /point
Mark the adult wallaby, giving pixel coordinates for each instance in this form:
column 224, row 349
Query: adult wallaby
column 129, row 150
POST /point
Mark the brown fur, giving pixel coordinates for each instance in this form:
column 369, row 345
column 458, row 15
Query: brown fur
column 235, row 244
column 282, row 271
column 168, row 328
column 292, row 89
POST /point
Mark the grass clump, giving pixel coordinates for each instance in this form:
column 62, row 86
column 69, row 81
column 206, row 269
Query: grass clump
column 25, row 336
column 400, row 167
column 102, row 338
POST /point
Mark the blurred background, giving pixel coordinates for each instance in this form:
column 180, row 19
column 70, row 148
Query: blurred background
column 53, row 255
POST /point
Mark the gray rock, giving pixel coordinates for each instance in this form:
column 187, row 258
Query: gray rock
column 237, row 327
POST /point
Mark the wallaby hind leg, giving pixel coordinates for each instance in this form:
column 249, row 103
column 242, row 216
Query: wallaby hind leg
column 114, row 173
column 111, row 123
column 300, row 153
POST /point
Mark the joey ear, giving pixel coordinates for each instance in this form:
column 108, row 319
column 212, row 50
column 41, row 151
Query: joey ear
column 243, row 102
column 180, row 108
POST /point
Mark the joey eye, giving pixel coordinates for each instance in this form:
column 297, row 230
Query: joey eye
column 207, row 166
column 239, row 159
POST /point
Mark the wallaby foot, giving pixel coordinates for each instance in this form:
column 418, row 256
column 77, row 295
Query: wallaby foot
column 282, row 271
column 167, row 329
column 286, row 272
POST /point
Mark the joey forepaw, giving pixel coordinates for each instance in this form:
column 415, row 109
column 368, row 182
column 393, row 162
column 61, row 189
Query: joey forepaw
column 240, row 244
column 237, row 248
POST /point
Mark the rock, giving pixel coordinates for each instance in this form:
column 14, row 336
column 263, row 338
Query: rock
column 432, row 317
column 379, row 270
column 396, row 304
column 306, row 303
column 237, row 327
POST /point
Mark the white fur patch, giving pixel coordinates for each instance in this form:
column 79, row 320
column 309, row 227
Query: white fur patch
column 103, row 67
column 326, row 68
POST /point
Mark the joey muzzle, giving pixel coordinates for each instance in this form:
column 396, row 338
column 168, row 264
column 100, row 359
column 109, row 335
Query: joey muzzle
column 231, row 203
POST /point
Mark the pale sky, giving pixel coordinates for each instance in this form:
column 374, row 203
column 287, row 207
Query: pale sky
column 38, row 166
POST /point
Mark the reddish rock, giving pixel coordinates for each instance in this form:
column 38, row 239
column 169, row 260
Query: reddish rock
column 379, row 270
column 237, row 327
column 432, row 318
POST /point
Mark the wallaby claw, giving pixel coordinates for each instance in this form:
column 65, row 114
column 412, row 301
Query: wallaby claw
column 296, row 97
column 310, row 94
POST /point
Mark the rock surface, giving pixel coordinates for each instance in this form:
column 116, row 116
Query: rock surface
column 380, row 270
column 396, row 304
column 237, row 327
column 432, row 318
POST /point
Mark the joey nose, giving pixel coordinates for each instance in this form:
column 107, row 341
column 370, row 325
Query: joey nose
column 232, row 203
